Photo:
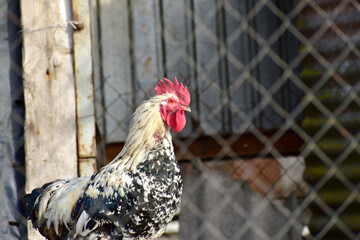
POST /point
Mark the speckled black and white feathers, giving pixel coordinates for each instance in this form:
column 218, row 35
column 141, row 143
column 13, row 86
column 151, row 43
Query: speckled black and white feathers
column 133, row 197
column 142, row 207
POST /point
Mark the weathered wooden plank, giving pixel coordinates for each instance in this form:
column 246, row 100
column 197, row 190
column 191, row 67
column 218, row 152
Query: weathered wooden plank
column 289, row 49
column 208, row 72
column 96, row 57
column 85, row 109
column 100, row 112
column 269, row 71
column 239, row 56
column 191, row 61
column 160, row 40
column 176, row 50
column 174, row 34
column 131, row 63
column 84, row 80
column 143, row 36
column 87, row 166
column 49, row 92
column 135, row 60
column 249, row 75
column 115, row 48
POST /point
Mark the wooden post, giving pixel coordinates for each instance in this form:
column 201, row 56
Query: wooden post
column 114, row 24
column 86, row 133
column 49, row 92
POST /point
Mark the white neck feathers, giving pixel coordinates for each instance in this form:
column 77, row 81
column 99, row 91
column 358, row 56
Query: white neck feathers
column 146, row 129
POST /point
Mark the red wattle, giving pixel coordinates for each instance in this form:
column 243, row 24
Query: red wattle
column 176, row 120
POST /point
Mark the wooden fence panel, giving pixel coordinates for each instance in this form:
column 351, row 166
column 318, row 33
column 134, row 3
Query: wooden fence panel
column 116, row 67
column 49, row 92
column 218, row 48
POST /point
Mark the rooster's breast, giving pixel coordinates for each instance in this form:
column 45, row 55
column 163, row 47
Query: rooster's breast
column 155, row 195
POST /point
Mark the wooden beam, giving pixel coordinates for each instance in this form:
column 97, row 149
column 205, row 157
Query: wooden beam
column 116, row 72
column 86, row 133
column 49, row 93
column 207, row 147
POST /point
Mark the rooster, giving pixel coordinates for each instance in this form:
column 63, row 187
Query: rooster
column 136, row 195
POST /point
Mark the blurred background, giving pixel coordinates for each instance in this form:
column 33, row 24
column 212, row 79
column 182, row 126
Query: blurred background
column 271, row 147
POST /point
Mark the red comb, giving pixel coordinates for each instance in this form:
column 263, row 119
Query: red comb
column 180, row 90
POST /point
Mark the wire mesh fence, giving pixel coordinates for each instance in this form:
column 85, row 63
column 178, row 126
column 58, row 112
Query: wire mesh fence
column 273, row 85
column 270, row 149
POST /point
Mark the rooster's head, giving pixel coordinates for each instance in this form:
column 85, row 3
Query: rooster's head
column 172, row 109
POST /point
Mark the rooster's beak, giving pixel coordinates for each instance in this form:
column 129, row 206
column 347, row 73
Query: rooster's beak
column 186, row 108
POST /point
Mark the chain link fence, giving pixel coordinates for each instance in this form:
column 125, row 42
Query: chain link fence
column 271, row 147
column 275, row 103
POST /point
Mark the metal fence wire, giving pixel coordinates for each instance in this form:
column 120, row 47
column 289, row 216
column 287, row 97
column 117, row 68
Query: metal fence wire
column 270, row 150
column 271, row 147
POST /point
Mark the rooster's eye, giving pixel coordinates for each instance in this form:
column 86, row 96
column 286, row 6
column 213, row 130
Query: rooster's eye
column 171, row 101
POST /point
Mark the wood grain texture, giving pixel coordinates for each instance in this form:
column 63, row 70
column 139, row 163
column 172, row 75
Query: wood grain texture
column 115, row 46
column 83, row 67
column 49, row 92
